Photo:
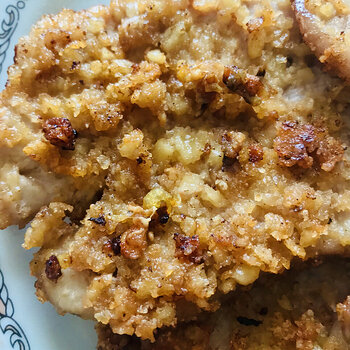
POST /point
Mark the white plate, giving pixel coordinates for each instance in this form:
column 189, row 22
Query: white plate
column 26, row 324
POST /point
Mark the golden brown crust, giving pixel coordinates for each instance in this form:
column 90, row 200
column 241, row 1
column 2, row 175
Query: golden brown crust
column 159, row 128
column 284, row 313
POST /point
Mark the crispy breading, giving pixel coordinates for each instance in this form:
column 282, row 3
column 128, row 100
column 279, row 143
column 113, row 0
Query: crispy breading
column 302, row 309
column 175, row 110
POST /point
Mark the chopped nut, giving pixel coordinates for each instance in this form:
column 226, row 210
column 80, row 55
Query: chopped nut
column 59, row 132
column 240, row 82
column 302, row 144
column 232, row 142
column 53, row 268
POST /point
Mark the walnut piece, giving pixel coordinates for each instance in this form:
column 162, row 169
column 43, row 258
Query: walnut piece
column 59, row 132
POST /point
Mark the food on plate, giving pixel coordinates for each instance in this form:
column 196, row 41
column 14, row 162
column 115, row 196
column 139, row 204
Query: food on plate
column 186, row 147
column 325, row 28
column 300, row 309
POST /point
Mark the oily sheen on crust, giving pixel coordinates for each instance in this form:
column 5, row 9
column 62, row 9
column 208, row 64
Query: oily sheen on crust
column 205, row 142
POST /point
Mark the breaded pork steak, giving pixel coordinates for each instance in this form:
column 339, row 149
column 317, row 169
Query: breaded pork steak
column 299, row 310
column 206, row 139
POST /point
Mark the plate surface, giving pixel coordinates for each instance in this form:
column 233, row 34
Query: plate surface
column 26, row 324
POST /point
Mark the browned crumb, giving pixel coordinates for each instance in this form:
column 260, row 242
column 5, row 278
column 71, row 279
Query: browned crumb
column 232, row 143
column 301, row 144
column 246, row 85
column 133, row 242
column 256, row 153
column 188, row 248
column 59, row 132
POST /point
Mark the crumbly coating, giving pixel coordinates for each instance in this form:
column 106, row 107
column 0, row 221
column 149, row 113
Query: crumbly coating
column 298, row 310
column 180, row 109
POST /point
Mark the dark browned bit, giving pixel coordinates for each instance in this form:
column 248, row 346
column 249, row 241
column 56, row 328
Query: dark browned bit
column 100, row 220
column 228, row 163
column 289, row 62
column 115, row 244
column 245, row 321
column 60, row 133
column 115, row 272
column 53, row 268
column 74, row 65
column 163, row 215
column 243, row 84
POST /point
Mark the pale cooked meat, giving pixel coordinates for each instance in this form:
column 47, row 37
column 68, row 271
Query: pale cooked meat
column 25, row 187
column 300, row 310
column 221, row 151
column 325, row 26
